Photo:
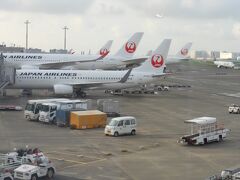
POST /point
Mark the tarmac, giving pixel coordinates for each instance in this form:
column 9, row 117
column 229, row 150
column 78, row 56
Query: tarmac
column 154, row 152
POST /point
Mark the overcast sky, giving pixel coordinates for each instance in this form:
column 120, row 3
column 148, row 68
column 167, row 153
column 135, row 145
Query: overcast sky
column 209, row 24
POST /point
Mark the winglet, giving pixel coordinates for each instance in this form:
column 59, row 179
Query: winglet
column 125, row 77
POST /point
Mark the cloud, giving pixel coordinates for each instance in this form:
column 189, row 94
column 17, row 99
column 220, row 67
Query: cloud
column 208, row 23
column 46, row 6
column 187, row 9
column 236, row 30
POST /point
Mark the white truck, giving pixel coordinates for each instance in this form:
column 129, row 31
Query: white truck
column 234, row 109
column 32, row 108
column 48, row 111
column 203, row 131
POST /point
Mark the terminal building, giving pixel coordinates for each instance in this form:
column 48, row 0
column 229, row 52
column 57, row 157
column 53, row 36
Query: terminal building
column 11, row 49
column 209, row 55
column 226, row 55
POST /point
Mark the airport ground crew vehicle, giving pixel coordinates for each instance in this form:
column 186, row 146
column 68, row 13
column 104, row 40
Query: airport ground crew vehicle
column 203, row 131
column 234, row 109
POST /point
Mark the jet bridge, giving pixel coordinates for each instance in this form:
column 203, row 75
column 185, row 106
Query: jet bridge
column 7, row 75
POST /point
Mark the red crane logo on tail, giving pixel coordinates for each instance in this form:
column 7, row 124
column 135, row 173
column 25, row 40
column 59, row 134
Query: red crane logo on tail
column 184, row 52
column 104, row 52
column 130, row 47
column 157, row 60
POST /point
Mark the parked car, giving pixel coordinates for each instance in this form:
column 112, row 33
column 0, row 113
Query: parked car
column 121, row 125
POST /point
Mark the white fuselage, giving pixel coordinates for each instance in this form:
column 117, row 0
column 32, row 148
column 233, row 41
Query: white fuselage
column 83, row 62
column 18, row 60
column 46, row 79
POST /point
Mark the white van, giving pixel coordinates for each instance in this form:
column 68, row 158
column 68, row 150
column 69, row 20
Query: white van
column 121, row 125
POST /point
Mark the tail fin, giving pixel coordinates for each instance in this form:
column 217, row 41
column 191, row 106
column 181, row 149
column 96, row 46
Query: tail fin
column 104, row 51
column 156, row 62
column 149, row 53
column 71, row 51
column 129, row 48
column 183, row 53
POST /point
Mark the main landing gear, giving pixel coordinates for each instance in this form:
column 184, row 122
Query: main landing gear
column 79, row 93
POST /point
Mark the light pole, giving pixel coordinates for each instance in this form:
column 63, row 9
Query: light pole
column 27, row 22
column 65, row 28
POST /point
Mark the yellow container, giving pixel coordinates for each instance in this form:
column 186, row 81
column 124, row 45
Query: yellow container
column 87, row 119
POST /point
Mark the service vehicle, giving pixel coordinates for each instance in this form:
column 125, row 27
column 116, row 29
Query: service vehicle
column 236, row 176
column 203, row 131
column 25, row 164
column 121, row 125
column 118, row 92
column 32, row 108
column 228, row 174
column 234, row 109
column 161, row 87
column 48, row 111
column 42, row 168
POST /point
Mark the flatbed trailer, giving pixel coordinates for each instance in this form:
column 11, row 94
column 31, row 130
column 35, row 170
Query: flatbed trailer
column 7, row 167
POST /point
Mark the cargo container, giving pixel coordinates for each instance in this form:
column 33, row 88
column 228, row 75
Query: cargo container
column 109, row 106
column 87, row 119
column 100, row 103
column 63, row 117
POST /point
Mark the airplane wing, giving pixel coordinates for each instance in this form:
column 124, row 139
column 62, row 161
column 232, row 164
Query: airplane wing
column 161, row 75
column 94, row 84
column 135, row 60
column 59, row 65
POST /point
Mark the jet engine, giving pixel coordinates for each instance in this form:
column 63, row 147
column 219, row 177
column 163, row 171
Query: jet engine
column 62, row 89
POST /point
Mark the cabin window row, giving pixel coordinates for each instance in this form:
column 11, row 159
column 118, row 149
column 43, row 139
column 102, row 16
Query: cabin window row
column 89, row 78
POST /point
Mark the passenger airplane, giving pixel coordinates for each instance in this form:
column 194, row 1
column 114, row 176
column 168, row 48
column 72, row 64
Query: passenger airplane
column 51, row 61
column 235, row 64
column 181, row 55
column 77, row 81
column 123, row 59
